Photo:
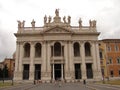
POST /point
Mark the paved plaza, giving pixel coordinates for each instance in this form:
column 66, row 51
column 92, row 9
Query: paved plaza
column 62, row 86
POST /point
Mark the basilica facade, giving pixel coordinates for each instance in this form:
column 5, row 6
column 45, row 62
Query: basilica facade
column 57, row 51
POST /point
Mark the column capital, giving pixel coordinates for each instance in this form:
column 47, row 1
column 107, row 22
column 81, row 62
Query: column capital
column 32, row 43
column 44, row 42
column 70, row 41
column 82, row 42
column 21, row 42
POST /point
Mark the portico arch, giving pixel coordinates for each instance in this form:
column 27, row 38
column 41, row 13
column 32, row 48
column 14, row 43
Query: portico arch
column 38, row 50
column 27, row 50
column 57, row 49
column 87, row 49
column 76, row 47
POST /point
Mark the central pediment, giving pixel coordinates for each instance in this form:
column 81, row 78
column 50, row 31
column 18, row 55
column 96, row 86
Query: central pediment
column 58, row 29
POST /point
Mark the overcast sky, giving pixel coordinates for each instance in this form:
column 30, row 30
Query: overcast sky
column 106, row 12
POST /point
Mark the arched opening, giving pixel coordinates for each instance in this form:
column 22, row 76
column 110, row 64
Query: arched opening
column 57, row 49
column 27, row 50
column 76, row 49
column 38, row 50
column 87, row 49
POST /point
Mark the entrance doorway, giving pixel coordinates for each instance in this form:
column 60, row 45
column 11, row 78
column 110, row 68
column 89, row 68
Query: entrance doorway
column 89, row 71
column 77, row 71
column 25, row 71
column 37, row 71
column 57, row 71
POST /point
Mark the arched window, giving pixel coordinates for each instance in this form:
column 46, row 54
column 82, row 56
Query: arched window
column 27, row 50
column 57, row 49
column 87, row 49
column 38, row 50
column 76, row 49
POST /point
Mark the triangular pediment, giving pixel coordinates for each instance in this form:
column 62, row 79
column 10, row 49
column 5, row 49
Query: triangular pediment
column 57, row 29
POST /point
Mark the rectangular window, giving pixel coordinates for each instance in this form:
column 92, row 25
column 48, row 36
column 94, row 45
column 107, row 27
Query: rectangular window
column 116, row 48
column 101, row 56
column 102, row 70
column 110, row 60
column 119, row 72
column 108, row 48
column 111, row 73
column 118, row 60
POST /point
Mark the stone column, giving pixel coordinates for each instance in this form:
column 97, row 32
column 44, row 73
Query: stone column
column 20, row 66
column 53, row 72
column 67, row 75
column 98, row 62
column 48, row 61
column 32, row 53
column 61, row 71
column 61, row 50
column 83, row 69
column 53, row 50
column 16, row 60
column 71, row 64
column 94, row 67
column 43, row 65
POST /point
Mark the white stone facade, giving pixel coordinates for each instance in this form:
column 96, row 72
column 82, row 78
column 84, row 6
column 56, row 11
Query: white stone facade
column 57, row 51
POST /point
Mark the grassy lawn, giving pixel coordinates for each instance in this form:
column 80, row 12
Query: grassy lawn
column 5, row 84
column 113, row 82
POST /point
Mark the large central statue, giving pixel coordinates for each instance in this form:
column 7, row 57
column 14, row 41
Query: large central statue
column 57, row 12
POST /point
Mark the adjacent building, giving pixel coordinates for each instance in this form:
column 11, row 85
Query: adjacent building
column 111, row 57
column 57, row 51
column 9, row 63
column 103, row 59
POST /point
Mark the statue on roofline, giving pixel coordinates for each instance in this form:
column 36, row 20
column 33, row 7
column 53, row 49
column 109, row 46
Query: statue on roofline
column 64, row 19
column 45, row 19
column 21, row 24
column 92, row 23
column 80, row 22
column 57, row 12
column 69, row 19
column 49, row 19
column 33, row 23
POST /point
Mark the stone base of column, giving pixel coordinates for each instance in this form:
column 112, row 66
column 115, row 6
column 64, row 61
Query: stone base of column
column 17, row 76
column 99, row 75
column 31, row 76
column 84, row 76
column 46, row 77
column 95, row 75
column 69, row 77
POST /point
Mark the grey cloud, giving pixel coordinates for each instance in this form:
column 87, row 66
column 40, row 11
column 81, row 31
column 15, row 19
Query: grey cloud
column 7, row 45
column 109, row 22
